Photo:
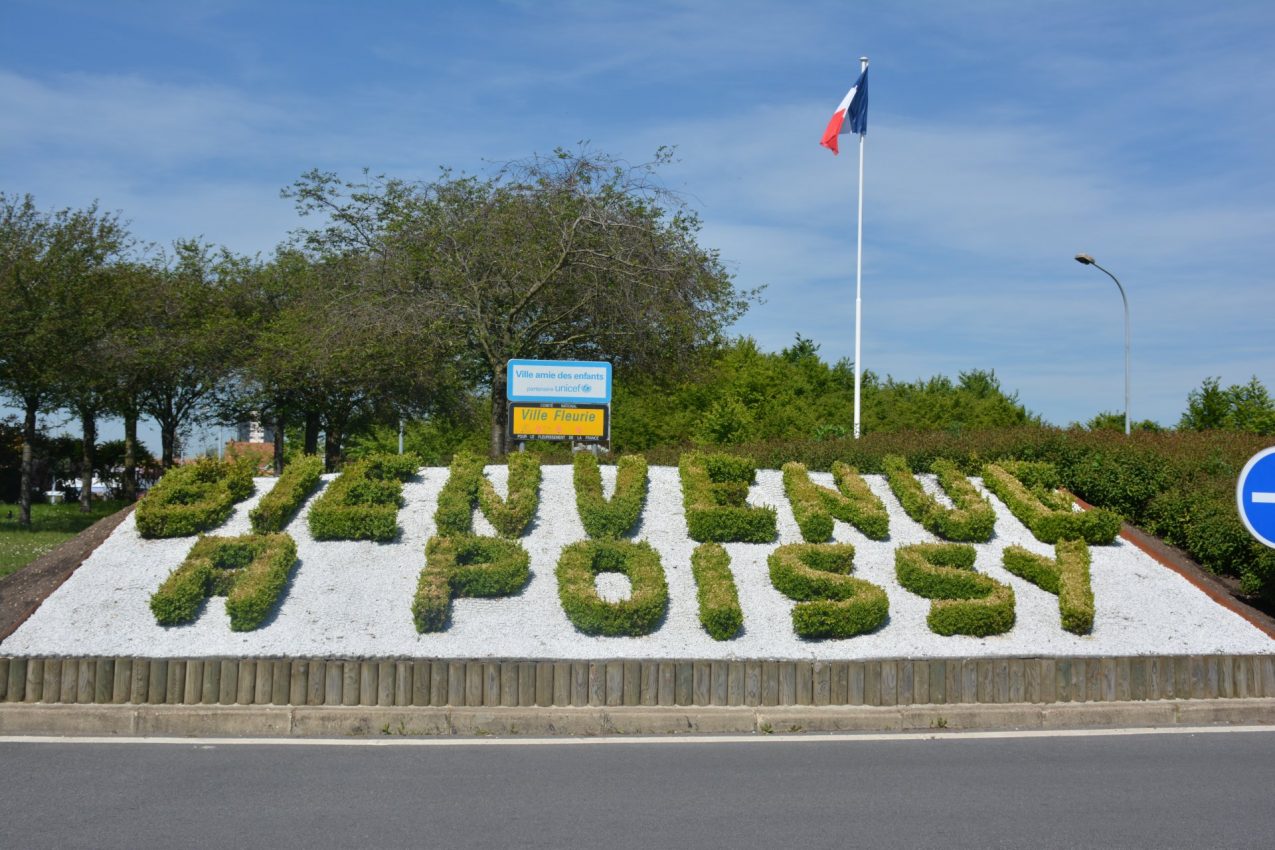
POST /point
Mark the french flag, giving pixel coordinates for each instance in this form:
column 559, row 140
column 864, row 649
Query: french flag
column 851, row 116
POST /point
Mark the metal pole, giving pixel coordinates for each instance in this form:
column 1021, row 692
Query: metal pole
column 400, row 435
column 858, row 281
column 1124, row 299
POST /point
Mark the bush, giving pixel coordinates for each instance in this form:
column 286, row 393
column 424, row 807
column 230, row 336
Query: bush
column 298, row 481
column 965, row 602
column 194, row 497
column 614, row 517
column 640, row 614
column 1047, row 513
column 856, row 504
column 466, row 565
column 970, row 520
column 719, row 610
column 809, row 507
column 363, row 502
column 456, row 501
column 1066, row 575
column 714, row 490
column 512, row 514
column 832, row 603
column 250, row 571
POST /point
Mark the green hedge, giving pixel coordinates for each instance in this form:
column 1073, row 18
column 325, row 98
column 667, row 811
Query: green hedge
column 965, row 602
column 1027, row 489
column 194, row 497
column 466, row 565
column 856, row 504
column 1066, row 575
column 467, row 487
column 300, row 478
column 640, row 614
column 714, row 490
column 614, row 517
column 250, row 571
column 715, row 590
column 363, row 502
column 971, row 520
column 831, row 602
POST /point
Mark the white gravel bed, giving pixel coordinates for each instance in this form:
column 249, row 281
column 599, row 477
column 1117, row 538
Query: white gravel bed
column 353, row 599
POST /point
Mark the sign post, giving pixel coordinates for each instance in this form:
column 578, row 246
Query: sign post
column 559, row 400
column 1255, row 496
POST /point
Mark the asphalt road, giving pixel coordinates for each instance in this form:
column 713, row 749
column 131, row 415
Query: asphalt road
column 1179, row 790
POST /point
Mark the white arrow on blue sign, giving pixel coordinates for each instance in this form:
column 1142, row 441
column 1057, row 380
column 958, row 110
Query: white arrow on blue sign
column 1255, row 496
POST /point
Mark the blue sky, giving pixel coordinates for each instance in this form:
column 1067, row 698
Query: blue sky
column 1004, row 138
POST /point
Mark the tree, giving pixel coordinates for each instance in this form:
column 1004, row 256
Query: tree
column 48, row 261
column 1110, row 420
column 571, row 256
column 1239, row 407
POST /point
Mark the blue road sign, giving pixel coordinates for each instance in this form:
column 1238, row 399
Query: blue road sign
column 1255, row 496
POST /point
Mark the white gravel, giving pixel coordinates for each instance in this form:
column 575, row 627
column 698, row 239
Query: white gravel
column 353, row 599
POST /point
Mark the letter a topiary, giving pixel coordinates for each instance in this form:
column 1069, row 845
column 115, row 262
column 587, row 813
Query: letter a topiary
column 965, row 602
column 832, row 603
column 250, row 571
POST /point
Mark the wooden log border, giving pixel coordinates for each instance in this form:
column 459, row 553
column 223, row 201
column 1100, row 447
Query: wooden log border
column 620, row 682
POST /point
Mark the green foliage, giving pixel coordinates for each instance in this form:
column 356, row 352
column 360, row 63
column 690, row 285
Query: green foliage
column 614, row 517
column 193, row 498
column 970, row 520
column 1066, row 575
column 1047, row 513
column 456, row 501
column 512, row 514
column 965, row 602
column 640, row 614
column 250, row 571
column 832, row 603
column 719, row 610
column 363, row 502
column 1109, row 420
column 714, row 489
column 1239, row 407
column 856, row 504
column 465, row 565
column 298, row 481
column 809, row 507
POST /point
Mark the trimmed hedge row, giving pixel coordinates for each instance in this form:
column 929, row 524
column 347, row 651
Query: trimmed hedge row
column 965, row 602
column 714, row 492
column 640, row 614
column 831, row 602
column 466, row 565
column 1066, row 575
column 1027, row 489
column 614, row 517
column 856, row 504
column 363, row 502
column 250, row 571
column 194, row 497
column 467, row 488
column 971, row 520
column 715, row 590
column 299, row 479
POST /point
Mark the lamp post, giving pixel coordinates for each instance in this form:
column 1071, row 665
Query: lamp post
column 1086, row 260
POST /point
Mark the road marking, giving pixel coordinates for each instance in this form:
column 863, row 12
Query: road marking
column 1264, row 498
column 639, row 740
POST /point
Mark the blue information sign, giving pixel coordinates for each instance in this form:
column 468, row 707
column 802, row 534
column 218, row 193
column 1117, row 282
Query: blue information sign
column 569, row 381
column 1255, row 496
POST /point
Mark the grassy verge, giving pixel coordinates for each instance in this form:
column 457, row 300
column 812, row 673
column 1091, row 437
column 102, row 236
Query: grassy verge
column 51, row 525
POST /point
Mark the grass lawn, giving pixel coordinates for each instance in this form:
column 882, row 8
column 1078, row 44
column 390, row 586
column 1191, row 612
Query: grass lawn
column 50, row 526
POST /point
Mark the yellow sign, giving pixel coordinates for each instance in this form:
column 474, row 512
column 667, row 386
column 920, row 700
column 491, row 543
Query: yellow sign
column 534, row 421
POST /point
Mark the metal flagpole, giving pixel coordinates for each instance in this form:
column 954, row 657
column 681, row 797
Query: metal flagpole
column 858, row 280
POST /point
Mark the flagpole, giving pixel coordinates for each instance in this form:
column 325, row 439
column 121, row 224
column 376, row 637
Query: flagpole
column 858, row 280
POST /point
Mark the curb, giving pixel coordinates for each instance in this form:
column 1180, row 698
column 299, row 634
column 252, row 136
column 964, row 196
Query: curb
column 358, row 721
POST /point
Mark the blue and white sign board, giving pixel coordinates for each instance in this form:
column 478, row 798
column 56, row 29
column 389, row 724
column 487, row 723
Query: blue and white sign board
column 563, row 381
column 1255, row 496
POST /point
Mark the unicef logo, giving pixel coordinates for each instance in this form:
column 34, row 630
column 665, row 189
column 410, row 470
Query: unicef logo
column 586, row 388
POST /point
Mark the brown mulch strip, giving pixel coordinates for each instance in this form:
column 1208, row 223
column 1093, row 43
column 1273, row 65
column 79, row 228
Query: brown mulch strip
column 22, row 592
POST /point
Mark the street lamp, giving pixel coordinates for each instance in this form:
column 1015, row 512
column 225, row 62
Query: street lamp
column 1086, row 260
